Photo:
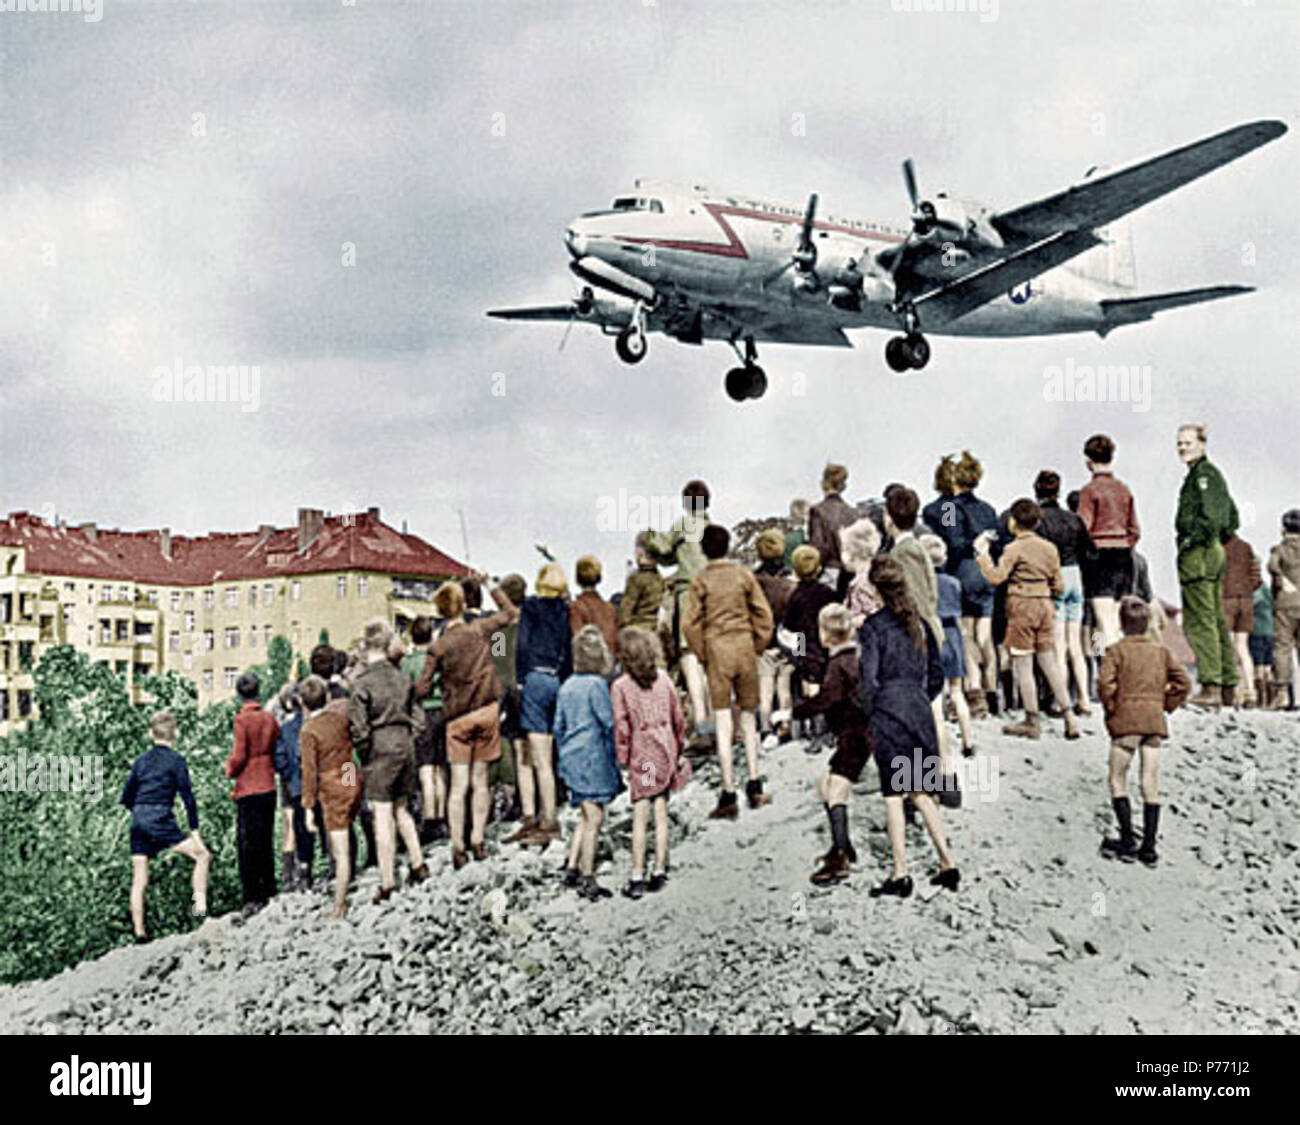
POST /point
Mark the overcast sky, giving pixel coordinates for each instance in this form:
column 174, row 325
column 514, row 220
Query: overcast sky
column 178, row 181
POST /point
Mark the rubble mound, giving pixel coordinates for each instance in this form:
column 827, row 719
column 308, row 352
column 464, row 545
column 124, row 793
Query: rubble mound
column 1043, row 936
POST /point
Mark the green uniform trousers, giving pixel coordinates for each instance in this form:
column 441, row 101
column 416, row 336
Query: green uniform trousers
column 1200, row 574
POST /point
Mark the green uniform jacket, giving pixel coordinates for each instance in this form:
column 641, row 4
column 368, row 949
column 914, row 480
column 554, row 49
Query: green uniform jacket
column 680, row 546
column 1206, row 513
column 642, row 597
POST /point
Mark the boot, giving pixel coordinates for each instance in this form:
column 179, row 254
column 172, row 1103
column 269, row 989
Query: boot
column 1228, row 693
column 754, row 791
column 1026, row 728
column 542, row 833
column 834, row 869
column 900, row 887
column 991, row 697
column 304, row 874
column 839, row 818
column 1265, row 697
column 948, row 878
column 288, row 873
column 727, row 808
column 978, row 704
column 1208, row 697
column 1150, row 825
column 950, row 794
column 1281, row 698
column 1123, row 846
column 526, row 826
column 1072, row 731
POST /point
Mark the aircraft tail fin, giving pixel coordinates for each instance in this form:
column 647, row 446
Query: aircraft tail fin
column 1131, row 310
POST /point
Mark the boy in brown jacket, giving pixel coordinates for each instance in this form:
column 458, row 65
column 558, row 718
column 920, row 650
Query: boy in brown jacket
column 1031, row 568
column 727, row 624
column 1139, row 681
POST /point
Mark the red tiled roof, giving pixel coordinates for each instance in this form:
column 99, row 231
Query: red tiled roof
column 348, row 542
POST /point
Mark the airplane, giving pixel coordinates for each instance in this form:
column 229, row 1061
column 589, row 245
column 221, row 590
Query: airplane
column 699, row 265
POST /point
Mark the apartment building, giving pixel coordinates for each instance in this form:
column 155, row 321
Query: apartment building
column 205, row 607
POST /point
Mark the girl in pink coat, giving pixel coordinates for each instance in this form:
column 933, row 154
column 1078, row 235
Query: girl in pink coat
column 649, row 731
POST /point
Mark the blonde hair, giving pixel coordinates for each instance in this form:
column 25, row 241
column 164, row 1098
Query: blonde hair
column 449, row 600
column 936, row 547
column 859, row 542
column 591, row 654
column 162, row 727
column 836, row 622
column 806, row 561
column 551, row 582
column 1201, row 431
column 378, row 635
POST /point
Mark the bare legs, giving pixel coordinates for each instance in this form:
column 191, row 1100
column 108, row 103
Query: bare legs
column 1245, row 666
column 433, row 792
column 1106, row 611
column 693, row 675
column 392, row 817
column 748, row 732
column 1073, row 660
column 139, row 882
column 1121, row 759
column 193, row 847
column 342, row 869
column 963, row 712
column 539, row 753
column 582, row 848
column 929, row 810
column 981, row 660
column 470, row 778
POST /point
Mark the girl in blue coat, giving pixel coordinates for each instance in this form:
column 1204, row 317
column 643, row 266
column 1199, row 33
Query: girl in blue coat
column 588, row 763
column 900, row 674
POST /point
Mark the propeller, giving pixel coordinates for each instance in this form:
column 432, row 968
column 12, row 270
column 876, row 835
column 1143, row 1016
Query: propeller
column 923, row 214
column 582, row 305
column 804, row 256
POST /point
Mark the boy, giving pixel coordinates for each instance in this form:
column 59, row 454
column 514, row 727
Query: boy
column 589, row 608
column 1241, row 578
column 430, row 739
column 838, row 699
column 1031, row 568
column 1139, row 681
column 381, row 720
column 644, row 592
column 1261, row 644
column 727, row 624
column 157, row 777
column 252, row 765
column 1284, row 566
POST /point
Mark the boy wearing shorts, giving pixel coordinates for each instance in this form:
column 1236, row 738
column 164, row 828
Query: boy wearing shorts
column 1031, row 568
column 1139, row 681
column 471, row 700
column 727, row 624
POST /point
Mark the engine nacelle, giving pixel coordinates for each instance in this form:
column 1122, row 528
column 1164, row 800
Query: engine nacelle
column 965, row 221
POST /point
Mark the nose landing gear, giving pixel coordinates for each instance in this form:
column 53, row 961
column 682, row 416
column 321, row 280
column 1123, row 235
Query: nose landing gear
column 911, row 350
column 748, row 380
column 631, row 344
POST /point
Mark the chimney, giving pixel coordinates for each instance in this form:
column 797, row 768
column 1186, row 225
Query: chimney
column 373, row 513
column 265, row 531
column 89, row 531
column 310, row 523
column 165, row 542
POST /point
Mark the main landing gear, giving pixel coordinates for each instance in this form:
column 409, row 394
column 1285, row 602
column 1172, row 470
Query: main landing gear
column 631, row 344
column 910, row 350
column 748, row 380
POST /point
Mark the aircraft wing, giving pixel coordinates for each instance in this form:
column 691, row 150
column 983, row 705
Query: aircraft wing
column 535, row 312
column 587, row 308
column 1097, row 201
column 963, row 294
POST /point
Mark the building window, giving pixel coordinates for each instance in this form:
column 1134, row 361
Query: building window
column 252, row 595
column 295, row 590
column 268, row 594
column 363, row 583
column 208, row 598
column 189, row 597
column 152, row 597
column 90, row 594
column 252, row 636
column 124, row 593
column 90, row 636
column 123, row 629
column 232, row 636
column 67, row 615
column 266, row 635
column 189, row 661
column 24, row 704
column 207, row 640
column 232, row 597
column 174, row 641
column 176, row 600
column 343, row 586
column 231, row 673
column 207, row 679
column 189, row 621
column 106, row 593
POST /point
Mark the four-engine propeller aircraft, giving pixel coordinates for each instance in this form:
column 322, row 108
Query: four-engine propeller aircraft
column 701, row 265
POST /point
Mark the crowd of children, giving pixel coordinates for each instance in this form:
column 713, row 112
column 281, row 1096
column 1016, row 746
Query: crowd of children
column 872, row 627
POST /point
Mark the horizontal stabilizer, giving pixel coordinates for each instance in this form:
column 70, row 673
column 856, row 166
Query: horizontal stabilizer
column 1130, row 310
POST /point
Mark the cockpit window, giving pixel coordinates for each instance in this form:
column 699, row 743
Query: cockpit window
column 635, row 203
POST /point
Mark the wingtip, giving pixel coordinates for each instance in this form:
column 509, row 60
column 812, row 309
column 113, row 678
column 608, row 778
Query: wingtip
column 1268, row 128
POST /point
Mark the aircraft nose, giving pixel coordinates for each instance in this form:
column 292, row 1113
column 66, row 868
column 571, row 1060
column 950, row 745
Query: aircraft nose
column 576, row 241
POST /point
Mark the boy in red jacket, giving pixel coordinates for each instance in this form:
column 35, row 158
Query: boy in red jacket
column 252, row 765
column 1139, row 681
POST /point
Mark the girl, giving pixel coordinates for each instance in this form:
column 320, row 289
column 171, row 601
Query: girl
column 899, row 675
column 157, row 777
column 952, row 657
column 859, row 543
column 649, row 733
column 296, row 853
column 584, row 732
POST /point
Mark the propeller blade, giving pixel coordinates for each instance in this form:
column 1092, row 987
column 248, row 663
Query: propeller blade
column 567, row 329
column 805, row 237
column 909, row 178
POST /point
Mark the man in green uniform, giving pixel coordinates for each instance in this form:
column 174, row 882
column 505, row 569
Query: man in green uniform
column 1206, row 517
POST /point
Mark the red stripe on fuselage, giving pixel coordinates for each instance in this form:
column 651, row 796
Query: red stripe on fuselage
column 734, row 248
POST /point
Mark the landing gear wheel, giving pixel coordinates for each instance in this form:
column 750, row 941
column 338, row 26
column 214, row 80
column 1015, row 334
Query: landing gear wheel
column 918, row 348
column 631, row 345
column 745, row 382
column 897, row 354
